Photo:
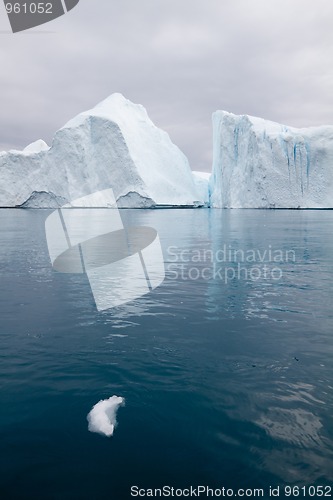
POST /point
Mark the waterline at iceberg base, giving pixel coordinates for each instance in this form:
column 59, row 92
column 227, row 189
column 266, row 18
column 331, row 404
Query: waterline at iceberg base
column 256, row 164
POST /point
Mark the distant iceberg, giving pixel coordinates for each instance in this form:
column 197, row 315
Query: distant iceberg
column 102, row 417
column 262, row 164
column 201, row 180
column 114, row 145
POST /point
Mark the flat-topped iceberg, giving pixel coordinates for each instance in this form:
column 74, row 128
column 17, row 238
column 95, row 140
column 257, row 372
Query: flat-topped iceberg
column 114, row 145
column 201, row 180
column 262, row 164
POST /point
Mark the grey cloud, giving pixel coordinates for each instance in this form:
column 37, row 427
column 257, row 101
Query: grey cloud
column 181, row 60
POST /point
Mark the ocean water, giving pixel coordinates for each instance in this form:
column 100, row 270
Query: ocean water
column 226, row 368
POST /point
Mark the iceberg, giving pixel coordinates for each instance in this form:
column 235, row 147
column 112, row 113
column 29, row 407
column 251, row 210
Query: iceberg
column 201, row 180
column 36, row 147
column 102, row 417
column 114, row 146
column 262, row 164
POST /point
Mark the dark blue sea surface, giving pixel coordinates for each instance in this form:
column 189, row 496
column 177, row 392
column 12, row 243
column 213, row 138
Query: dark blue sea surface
column 226, row 369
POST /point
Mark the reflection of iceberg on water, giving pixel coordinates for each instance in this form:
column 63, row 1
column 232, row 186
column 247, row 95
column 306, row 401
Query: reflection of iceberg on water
column 122, row 264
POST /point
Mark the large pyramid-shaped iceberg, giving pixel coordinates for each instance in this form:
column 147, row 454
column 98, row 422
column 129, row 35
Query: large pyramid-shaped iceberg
column 114, row 145
column 262, row 164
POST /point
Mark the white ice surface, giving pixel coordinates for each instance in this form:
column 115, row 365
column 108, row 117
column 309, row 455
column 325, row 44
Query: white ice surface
column 102, row 417
column 262, row 164
column 201, row 180
column 114, row 145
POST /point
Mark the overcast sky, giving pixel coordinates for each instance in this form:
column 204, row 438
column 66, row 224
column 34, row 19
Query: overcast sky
column 181, row 59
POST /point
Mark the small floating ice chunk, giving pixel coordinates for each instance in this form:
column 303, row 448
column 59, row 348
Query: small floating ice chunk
column 102, row 417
